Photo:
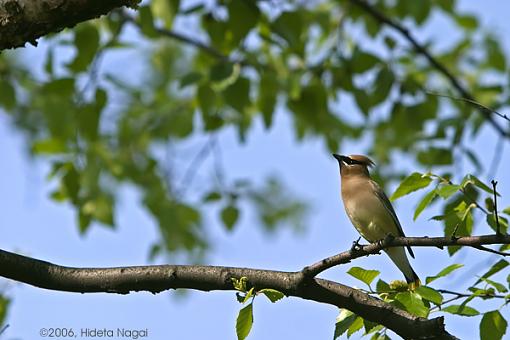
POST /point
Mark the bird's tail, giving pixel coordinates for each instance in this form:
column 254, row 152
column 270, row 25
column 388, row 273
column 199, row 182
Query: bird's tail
column 414, row 281
column 398, row 256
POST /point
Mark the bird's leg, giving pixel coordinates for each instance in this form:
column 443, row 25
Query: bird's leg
column 387, row 239
column 356, row 246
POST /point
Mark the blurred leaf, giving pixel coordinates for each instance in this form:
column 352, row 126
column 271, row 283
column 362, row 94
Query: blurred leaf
column 229, row 216
column 190, row 79
column 7, row 94
column 49, row 146
column 364, row 275
column 461, row 310
column 165, row 10
column 86, row 40
column 493, row 326
column 242, row 17
column 237, row 95
column 445, row 272
column 244, row 321
column 411, row 183
column 435, row 156
column 146, row 21
column 268, row 91
column 291, row 27
column 272, row 294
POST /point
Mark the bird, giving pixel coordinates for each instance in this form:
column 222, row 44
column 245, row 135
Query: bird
column 371, row 212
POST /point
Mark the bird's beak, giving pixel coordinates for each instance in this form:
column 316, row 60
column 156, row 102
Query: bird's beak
column 339, row 158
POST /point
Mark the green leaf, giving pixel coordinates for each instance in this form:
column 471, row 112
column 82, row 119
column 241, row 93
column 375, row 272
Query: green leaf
column 189, row 79
column 362, row 61
column 146, row 21
column 493, row 326
column 506, row 211
column 49, row 146
column 4, row 303
column 496, row 267
column 86, row 40
column 206, row 100
column 447, row 190
column 268, row 92
column 242, row 17
column 367, row 276
column 425, row 201
column 355, row 326
column 435, row 156
column 7, row 94
column 229, row 216
column 461, row 310
column 382, row 286
column 446, row 271
column 244, row 321
column 291, row 27
column 165, row 10
column 272, row 294
column 471, row 179
column 430, row 294
column 237, row 95
column 413, row 303
column 503, row 223
column 467, row 22
column 413, row 182
column 221, row 71
column 212, row 196
column 343, row 321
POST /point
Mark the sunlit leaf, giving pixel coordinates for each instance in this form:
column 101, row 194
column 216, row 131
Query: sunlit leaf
column 445, row 272
column 364, row 275
column 493, row 326
column 244, row 321
column 461, row 310
column 413, row 182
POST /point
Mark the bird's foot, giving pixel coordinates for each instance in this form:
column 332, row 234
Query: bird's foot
column 387, row 239
column 356, row 246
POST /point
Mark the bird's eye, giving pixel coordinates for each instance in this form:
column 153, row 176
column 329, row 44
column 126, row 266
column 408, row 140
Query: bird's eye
column 349, row 161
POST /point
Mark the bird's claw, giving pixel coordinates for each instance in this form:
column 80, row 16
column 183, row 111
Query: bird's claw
column 356, row 246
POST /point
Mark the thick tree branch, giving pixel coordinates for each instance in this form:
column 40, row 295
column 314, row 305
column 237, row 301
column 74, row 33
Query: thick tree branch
column 375, row 248
column 23, row 21
column 422, row 50
column 206, row 278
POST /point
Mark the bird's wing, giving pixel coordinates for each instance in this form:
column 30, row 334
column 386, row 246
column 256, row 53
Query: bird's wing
column 387, row 205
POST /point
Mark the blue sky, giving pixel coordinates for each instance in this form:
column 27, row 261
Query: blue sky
column 31, row 224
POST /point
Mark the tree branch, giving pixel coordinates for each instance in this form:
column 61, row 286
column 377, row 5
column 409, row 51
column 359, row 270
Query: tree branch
column 421, row 49
column 158, row 278
column 375, row 248
column 23, row 21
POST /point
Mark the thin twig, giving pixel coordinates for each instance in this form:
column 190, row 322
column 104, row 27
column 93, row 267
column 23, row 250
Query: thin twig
column 470, row 101
column 494, row 183
column 450, row 292
column 491, row 250
column 421, row 49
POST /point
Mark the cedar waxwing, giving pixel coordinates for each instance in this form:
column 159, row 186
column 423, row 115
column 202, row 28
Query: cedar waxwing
column 370, row 210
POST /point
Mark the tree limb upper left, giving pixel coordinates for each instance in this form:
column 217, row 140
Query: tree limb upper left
column 23, row 21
